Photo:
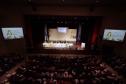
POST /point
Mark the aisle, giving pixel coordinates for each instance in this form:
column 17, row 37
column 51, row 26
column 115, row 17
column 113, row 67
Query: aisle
column 4, row 78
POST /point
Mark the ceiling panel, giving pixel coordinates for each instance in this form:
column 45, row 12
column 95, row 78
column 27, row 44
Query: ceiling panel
column 64, row 2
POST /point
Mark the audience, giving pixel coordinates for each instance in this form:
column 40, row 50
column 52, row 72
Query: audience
column 117, row 63
column 9, row 61
column 50, row 70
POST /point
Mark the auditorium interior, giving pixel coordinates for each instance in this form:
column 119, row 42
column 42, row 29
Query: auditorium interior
column 62, row 42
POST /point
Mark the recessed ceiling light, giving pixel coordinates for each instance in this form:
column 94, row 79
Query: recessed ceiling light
column 63, row 0
column 97, row 1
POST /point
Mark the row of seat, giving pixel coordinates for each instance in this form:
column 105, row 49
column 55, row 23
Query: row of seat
column 50, row 70
column 8, row 61
column 117, row 63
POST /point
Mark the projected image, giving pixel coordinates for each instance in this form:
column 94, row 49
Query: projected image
column 12, row 33
column 62, row 29
column 114, row 35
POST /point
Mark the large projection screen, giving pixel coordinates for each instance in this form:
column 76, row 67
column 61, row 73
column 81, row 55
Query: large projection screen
column 12, row 32
column 114, row 35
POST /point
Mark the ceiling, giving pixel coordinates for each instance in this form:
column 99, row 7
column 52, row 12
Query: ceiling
column 65, row 2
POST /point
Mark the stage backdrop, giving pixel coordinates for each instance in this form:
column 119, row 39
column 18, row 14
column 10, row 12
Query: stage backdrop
column 69, row 35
